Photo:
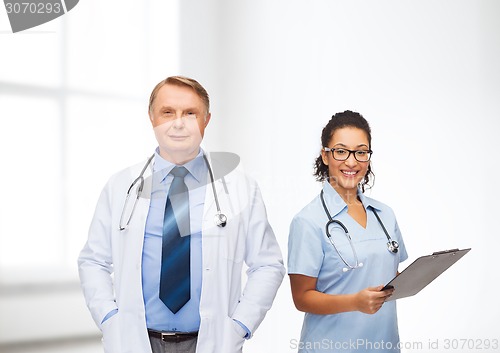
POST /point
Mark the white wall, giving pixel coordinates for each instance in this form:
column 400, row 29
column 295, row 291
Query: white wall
column 425, row 74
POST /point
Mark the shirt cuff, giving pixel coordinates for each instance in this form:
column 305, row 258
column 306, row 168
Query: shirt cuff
column 248, row 333
column 108, row 315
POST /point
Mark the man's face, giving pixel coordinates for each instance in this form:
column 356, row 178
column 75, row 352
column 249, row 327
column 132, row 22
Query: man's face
column 179, row 119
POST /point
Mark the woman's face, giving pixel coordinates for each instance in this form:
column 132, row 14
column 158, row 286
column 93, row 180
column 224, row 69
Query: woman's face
column 346, row 175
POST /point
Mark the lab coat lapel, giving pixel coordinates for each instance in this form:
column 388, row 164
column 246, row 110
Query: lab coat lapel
column 138, row 221
column 222, row 164
column 210, row 208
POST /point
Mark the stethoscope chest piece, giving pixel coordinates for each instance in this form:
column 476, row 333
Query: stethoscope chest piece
column 220, row 219
column 393, row 246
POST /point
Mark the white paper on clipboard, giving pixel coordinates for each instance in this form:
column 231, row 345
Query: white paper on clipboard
column 423, row 271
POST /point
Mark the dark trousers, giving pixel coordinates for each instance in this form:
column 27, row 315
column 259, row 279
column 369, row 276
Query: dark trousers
column 160, row 346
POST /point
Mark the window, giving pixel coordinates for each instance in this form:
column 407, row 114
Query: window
column 73, row 102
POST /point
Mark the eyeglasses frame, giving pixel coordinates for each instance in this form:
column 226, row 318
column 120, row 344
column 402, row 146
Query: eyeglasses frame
column 353, row 152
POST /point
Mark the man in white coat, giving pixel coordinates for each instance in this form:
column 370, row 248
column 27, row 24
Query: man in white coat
column 126, row 258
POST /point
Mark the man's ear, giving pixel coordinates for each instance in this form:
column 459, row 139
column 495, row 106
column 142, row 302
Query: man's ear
column 207, row 119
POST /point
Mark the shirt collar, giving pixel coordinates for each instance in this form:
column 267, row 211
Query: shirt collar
column 336, row 204
column 196, row 167
column 368, row 201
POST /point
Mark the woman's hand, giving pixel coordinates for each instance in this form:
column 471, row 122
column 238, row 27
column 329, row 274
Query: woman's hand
column 371, row 299
column 307, row 298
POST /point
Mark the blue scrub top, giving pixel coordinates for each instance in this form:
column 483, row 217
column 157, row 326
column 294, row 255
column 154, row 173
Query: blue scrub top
column 310, row 253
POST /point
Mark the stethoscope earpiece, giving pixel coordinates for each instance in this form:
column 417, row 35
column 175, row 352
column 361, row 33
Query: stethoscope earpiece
column 345, row 269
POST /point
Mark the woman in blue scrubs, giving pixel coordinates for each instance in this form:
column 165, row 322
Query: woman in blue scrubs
column 337, row 281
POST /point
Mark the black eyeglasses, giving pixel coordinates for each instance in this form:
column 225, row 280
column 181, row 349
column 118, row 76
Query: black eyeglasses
column 342, row 154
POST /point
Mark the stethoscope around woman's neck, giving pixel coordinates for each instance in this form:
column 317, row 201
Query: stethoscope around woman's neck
column 392, row 245
column 220, row 218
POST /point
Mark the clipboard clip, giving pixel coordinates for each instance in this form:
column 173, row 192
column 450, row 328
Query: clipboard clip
column 423, row 271
column 454, row 251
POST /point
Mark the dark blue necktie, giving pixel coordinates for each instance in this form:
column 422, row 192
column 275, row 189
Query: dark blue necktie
column 175, row 282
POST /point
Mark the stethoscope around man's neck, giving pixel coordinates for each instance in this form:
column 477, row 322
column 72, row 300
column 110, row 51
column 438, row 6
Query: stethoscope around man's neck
column 392, row 245
column 220, row 218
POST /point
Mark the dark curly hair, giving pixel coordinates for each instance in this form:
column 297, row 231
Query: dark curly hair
column 338, row 121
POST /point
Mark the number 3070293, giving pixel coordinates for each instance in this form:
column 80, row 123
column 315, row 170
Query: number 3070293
column 33, row 7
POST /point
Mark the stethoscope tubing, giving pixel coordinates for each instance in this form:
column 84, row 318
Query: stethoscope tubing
column 392, row 245
column 358, row 264
column 220, row 218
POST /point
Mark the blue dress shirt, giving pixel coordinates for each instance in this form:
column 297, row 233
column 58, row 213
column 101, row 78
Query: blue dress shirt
column 158, row 316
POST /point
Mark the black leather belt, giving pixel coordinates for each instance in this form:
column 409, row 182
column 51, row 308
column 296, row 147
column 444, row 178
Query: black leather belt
column 173, row 336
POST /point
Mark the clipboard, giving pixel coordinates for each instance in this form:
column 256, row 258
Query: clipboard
column 423, row 271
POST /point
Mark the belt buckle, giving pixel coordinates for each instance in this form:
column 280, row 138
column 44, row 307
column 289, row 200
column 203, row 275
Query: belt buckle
column 166, row 335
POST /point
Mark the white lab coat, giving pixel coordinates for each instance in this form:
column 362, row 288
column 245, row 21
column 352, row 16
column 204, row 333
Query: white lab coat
column 110, row 265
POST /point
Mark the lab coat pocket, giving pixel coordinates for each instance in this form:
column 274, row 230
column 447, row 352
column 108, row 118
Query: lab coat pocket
column 111, row 334
column 228, row 241
column 233, row 241
column 235, row 336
